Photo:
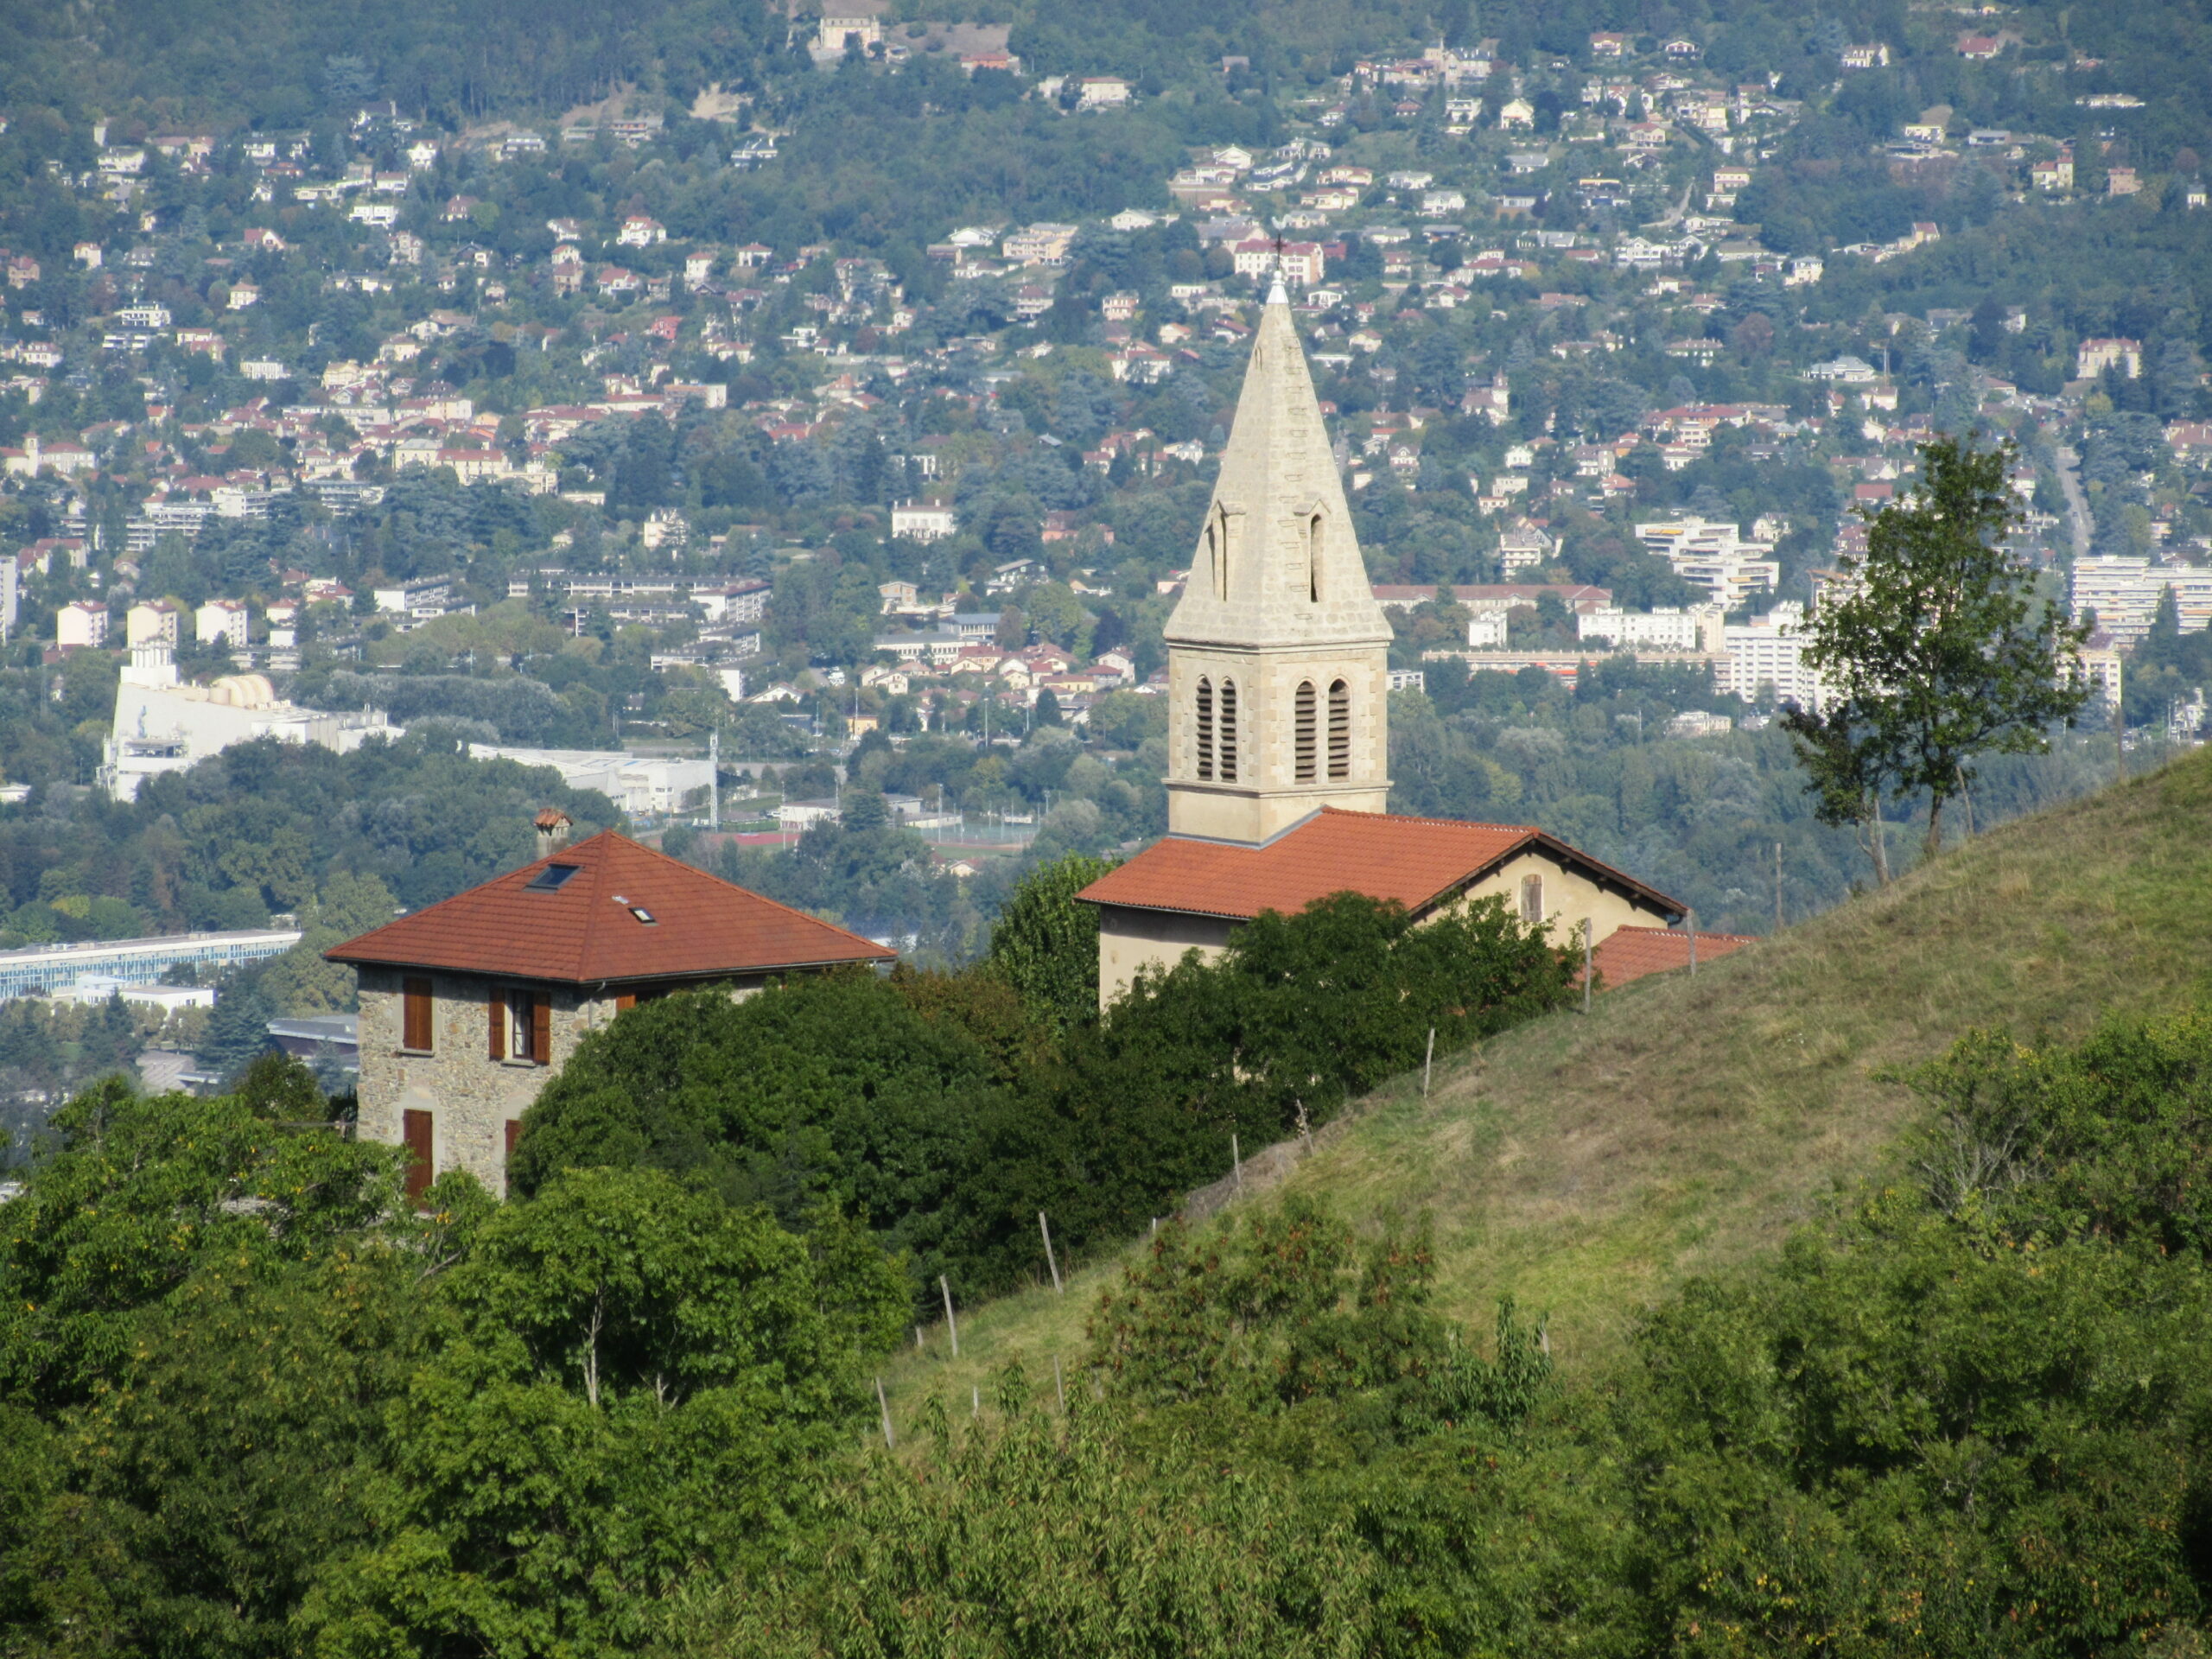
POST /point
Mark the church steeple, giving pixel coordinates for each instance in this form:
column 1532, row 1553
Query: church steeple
column 1278, row 654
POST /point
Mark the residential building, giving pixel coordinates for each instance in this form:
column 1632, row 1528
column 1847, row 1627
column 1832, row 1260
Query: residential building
column 221, row 621
column 80, row 624
column 153, row 619
column 2093, row 357
column 468, row 1006
column 1666, row 627
column 1766, row 657
column 1713, row 555
column 2123, row 594
column 924, row 521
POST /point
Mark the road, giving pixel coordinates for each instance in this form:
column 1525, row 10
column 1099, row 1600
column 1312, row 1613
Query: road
column 2077, row 505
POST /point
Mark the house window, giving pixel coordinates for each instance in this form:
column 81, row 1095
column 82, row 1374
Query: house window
column 1205, row 728
column 415, row 1136
column 1532, row 899
column 416, row 1025
column 1302, row 733
column 1229, row 731
column 521, row 1024
column 1339, row 729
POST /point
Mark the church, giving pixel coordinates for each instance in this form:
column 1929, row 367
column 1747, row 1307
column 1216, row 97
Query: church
column 1278, row 742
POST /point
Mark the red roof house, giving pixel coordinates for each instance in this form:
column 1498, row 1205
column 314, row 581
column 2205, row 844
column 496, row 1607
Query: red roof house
column 468, row 1005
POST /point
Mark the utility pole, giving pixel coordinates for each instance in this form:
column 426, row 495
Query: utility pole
column 715, row 779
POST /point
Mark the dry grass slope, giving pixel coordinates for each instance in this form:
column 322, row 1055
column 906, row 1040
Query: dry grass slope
column 1586, row 1165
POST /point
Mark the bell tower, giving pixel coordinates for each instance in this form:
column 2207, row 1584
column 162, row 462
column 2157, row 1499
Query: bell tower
column 1277, row 654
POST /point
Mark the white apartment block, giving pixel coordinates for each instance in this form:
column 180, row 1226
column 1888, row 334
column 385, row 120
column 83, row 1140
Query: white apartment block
column 81, row 623
column 1663, row 628
column 223, row 620
column 1715, row 555
column 1769, row 650
column 2125, row 592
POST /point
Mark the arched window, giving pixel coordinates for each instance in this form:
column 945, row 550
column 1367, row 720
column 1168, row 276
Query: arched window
column 1229, row 731
column 1532, row 899
column 1313, row 559
column 1339, row 729
column 1205, row 727
column 1302, row 733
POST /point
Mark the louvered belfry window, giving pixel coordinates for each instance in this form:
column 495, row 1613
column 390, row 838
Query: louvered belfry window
column 1205, row 729
column 1339, row 729
column 1229, row 731
column 1302, row 734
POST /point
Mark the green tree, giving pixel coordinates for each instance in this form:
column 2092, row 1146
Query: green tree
column 1046, row 942
column 1022, row 1537
column 639, row 1383
column 1936, row 644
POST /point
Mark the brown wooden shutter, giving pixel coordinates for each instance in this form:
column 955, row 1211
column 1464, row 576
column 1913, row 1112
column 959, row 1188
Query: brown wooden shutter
column 625, row 1002
column 514, row 1134
column 495, row 1013
column 415, row 1008
column 541, row 1027
column 415, row 1135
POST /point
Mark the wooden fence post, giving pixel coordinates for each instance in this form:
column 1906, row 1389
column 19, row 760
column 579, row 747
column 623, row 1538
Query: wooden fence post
column 949, row 1324
column 1585, row 964
column 1051, row 1261
column 1428, row 1065
column 884, row 1406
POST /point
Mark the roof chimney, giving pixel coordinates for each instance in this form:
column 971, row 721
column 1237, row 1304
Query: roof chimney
column 553, row 826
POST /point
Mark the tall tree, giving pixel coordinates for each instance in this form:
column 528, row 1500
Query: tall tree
column 1936, row 643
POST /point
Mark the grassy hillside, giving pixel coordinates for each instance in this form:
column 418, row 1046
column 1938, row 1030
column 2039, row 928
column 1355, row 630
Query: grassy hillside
column 1583, row 1165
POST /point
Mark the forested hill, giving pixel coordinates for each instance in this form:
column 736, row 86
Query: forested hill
column 275, row 63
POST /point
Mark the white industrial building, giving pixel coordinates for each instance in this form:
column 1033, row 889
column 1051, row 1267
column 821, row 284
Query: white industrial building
column 162, row 726
column 643, row 785
column 56, row 970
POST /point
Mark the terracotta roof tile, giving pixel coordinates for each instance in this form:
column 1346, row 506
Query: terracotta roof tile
column 1628, row 953
column 585, row 931
column 1417, row 862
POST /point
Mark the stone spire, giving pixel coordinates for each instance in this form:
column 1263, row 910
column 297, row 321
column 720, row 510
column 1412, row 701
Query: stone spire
column 1277, row 652
column 1277, row 561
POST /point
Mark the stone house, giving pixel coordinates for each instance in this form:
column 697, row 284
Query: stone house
column 468, row 1006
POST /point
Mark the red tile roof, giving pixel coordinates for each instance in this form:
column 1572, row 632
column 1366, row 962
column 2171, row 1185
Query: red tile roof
column 1629, row 953
column 1418, row 862
column 586, row 933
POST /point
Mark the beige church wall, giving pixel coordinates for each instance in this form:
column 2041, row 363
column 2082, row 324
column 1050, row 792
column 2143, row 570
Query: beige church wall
column 1131, row 939
column 1569, row 897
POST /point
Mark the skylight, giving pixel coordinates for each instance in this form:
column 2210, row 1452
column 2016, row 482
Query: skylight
column 642, row 914
column 551, row 879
